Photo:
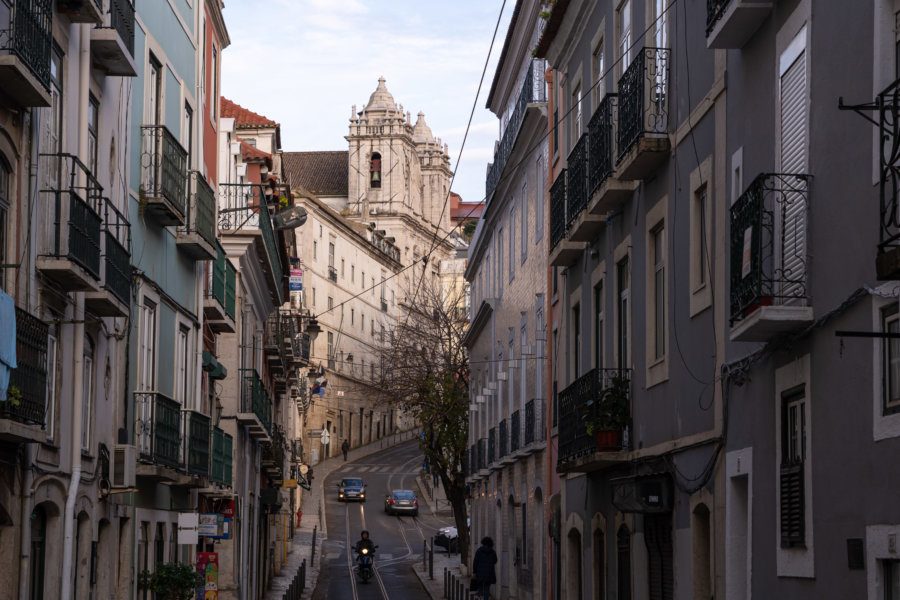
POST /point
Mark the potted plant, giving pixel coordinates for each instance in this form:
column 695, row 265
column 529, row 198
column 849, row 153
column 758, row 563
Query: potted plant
column 172, row 581
column 608, row 415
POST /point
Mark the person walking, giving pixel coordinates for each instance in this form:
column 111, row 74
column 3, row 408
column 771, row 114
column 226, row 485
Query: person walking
column 483, row 570
column 345, row 448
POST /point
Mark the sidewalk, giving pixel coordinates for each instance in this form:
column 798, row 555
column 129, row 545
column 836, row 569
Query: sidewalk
column 312, row 503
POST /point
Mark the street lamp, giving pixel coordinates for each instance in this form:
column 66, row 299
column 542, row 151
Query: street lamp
column 312, row 329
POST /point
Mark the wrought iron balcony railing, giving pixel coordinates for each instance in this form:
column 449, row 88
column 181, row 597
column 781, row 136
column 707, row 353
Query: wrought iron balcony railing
column 643, row 98
column 222, row 281
column 117, row 249
column 164, row 172
column 577, row 181
column 242, row 207
column 255, row 399
column 534, row 90
column 472, row 458
column 576, row 403
column 515, row 431
column 715, row 10
column 384, row 305
column 26, row 396
column 332, row 273
column 887, row 103
column 492, row 445
column 534, row 421
column 201, row 213
column 159, row 428
column 502, row 439
column 28, row 35
column 558, row 210
column 482, row 453
column 602, row 136
column 72, row 209
column 222, row 444
column 121, row 18
column 769, row 239
column 197, row 426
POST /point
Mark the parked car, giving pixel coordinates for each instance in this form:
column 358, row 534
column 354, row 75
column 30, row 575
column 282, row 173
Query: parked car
column 351, row 488
column 447, row 537
column 401, row 501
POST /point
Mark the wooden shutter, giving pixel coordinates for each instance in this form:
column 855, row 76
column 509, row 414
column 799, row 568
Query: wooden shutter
column 660, row 567
column 794, row 143
column 792, row 510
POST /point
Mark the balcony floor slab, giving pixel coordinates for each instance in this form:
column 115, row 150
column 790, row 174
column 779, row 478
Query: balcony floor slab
column 566, row 253
column 768, row 321
column 611, row 195
column 67, row 273
column 110, row 53
column 647, row 154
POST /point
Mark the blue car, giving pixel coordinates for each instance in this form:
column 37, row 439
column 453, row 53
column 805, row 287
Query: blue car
column 351, row 488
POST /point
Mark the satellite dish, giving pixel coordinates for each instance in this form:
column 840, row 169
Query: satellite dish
column 289, row 218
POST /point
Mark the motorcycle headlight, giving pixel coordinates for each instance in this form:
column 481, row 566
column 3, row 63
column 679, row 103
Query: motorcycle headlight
column 365, row 550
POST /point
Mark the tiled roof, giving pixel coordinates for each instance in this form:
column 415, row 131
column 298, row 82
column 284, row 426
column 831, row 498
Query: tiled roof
column 252, row 153
column 322, row 173
column 243, row 117
column 463, row 211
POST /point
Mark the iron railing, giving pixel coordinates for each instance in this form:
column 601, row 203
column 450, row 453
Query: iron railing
column 534, row 90
column 558, row 210
column 534, row 421
column 255, row 398
column 492, row 445
column 117, row 250
column 198, row 448
column 201, row 214
column 121, row 18
column 304, row 346
column 769, row 243
column 163, row 168
column 26, row 396
column 222, row 282
column 159, row 428
column 482, row 453
column 575, row 402
column 515, row 431
column 643, row 98
column 242, row 207
column 222, row 444
column 72, row 209
column 715, row 10
column 577, row 181
column 888, row 105
column 384, row 305
column 29, row 36
column 602, row 136
column 502, row 439
column 332, row 273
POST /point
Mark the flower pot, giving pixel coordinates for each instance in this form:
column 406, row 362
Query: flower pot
column 608, row 440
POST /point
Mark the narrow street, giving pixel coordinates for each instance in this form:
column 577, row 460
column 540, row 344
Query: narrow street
column 399, row 538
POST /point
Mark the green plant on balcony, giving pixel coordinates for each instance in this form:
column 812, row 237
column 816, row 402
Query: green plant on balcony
column 14, row 396
column 171, row 581
column 610, row 411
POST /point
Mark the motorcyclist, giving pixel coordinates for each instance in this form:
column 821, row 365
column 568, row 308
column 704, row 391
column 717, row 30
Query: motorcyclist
column 365, row 542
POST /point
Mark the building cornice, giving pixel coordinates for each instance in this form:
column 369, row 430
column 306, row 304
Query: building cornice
column 485, row 310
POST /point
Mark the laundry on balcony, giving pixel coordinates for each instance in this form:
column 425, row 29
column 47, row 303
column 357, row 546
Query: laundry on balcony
column 7, row 341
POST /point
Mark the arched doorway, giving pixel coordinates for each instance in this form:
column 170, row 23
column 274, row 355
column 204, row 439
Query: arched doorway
column 623, row 563
column 573, row 576
column 38, row 552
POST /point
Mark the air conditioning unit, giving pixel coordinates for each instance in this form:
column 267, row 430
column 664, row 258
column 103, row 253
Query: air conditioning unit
column 235, row 148
column 123, row 466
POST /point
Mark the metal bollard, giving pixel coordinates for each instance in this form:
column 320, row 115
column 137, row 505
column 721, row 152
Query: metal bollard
column 446, row 580
column 431, row 561
column 302, row 575
column 312, row 558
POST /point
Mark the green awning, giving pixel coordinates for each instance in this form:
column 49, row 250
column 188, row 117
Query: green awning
column 212, row 366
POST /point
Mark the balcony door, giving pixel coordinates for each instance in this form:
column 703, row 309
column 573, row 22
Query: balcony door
column 793, row 152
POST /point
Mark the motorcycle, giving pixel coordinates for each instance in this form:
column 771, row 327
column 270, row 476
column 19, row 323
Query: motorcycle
column 365, row 557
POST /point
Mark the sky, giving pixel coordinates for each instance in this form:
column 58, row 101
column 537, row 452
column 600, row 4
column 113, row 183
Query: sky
column 305, row 63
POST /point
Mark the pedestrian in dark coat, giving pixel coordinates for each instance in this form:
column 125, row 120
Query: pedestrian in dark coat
column 483, row 571
column 345, row 447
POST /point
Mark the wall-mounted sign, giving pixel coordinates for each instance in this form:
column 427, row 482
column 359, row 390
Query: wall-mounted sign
column 209, row 525
column 208, row 568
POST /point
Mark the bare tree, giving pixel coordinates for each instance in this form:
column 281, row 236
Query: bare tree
column 425, row 372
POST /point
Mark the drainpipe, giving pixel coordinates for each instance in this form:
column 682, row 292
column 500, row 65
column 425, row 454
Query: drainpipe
column 84, row 66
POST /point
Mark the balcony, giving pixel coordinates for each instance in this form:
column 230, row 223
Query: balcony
column 163, row 191
column 503, row 442
column 731, row 23
column 218, row 303
column 332, row 274
column 256, row 408
column 197, row 238
column 481, row 451
column 533, row 95
column 71, row 207
column 642, row 138
column 491, row 446
column 25, row 43
column 197, row 426
column 273, row 456
column 535, row 430
column 563, row 252
column 579, row 451
column 222, row 447
column 22, row 415
column 384, row 305
column 242, row 208
column 112, row 44
column 606, row 192
column 887, row 103
column 275, row 345
column 581, row 225
column 159, row 436
column 769, row 256
column 81, row 11
column 515, row 432
column 113, row 299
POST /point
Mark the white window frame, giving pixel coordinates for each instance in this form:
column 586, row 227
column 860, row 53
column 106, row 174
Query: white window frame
column 539, row 202
column 87, row 398
column 701, row 187
column 657, row 305
column 624, row 35
column 523, row 234
column 51, row 397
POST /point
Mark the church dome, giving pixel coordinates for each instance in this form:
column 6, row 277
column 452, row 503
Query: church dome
column 422, row 132
column 381, row 98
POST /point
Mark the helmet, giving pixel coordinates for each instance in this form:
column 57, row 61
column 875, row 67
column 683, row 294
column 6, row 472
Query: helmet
column 365, row 534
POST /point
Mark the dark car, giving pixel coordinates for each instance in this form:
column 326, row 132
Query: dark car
column 447, row 537
column 351, row 488
column 401, row 501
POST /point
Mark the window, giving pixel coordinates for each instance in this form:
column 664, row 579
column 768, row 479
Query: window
column 793, row 457
column 343, row 273
column 660, row 567
column 375, row 171
column 154, row 82
column 512, row 243
column 182, row 357
column 598, row 66
column 331, row 254
column 890, row 570
column 539, row 203
column 598, row 325
column 147, row 365
column 4, row 213
column 523, row 234
column 890, row 320
column 187, row 136
column 698, row 224
column 554, row 352
column 577, row 117
column 93, row 127
column 362, row 279
column 352, row 274
column 622, row 284
column 331, row 350
column 500, row 239
column 556, row 120
column 623, row 23
column 50, row 401
column 352, row 316
column 362, row 321
column 87, row 394
column 330, row 302
column 214, row 105
column 373, row 327
column 575, row 328
column 315, row 249
column 658, row 240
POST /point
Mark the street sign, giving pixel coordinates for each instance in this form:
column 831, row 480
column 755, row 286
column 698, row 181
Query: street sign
column 209, row 525
column 187, row 528
column 290, row 483
column 296, row 281
column 326, row 437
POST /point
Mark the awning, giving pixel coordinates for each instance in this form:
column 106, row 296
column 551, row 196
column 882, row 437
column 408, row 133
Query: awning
column 212, row 366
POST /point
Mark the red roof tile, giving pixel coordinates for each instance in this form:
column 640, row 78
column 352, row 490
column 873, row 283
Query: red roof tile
column 252, row 153
column 243, row 117
column 322, row 173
